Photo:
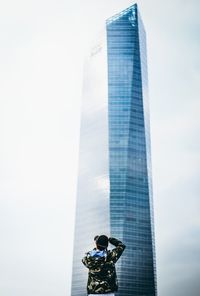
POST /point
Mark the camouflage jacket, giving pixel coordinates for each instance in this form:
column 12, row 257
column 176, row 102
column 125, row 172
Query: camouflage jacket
column 102, row 277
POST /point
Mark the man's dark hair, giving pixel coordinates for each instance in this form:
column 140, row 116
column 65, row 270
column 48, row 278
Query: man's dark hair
column 101, row 242
column 100, row 248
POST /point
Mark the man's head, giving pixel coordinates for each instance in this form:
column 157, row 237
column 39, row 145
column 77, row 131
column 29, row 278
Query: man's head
column 101, row 242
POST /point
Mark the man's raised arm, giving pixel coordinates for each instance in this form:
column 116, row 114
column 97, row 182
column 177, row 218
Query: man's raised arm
column 118, row 250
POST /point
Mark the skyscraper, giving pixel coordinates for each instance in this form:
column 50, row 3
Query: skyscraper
column 114, row 192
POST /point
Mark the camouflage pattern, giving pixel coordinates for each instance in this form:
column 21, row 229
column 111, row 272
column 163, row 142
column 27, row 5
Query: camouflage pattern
column 102, row 277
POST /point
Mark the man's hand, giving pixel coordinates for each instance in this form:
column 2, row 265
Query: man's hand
column 114, row 241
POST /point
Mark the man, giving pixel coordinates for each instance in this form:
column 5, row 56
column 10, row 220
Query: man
column 102, row 277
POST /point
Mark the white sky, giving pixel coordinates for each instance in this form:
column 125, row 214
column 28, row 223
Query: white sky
column 42, row 47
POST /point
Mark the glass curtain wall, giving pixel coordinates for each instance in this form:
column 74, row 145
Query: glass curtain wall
column 131, row 213
column 92, row 204
column 114, row 190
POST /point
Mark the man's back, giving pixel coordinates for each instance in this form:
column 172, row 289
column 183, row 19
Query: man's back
column 102, row 276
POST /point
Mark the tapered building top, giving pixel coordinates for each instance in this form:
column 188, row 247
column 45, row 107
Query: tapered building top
column 132, row 9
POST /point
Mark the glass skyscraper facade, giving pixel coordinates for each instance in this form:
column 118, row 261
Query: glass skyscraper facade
column 114, row 192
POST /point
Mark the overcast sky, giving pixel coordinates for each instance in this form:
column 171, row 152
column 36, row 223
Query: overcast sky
column 43, row 44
